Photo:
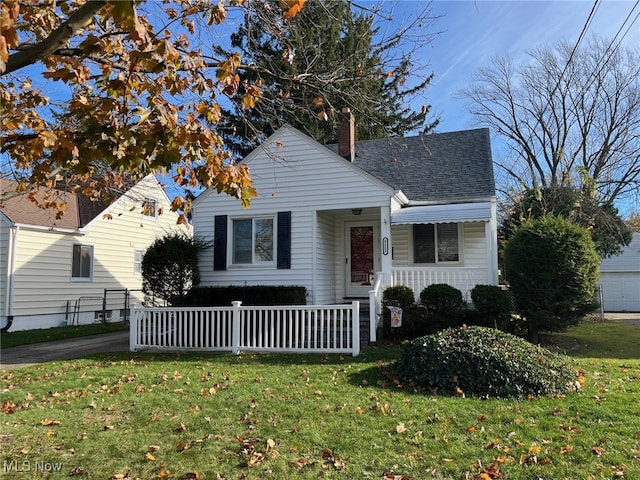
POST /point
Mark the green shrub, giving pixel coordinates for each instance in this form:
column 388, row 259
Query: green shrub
column 249, row 295
column 403, row 297
column 443, row 304
column 170, row 267
column 494, row 306
column 552, row 267
column 482, row 362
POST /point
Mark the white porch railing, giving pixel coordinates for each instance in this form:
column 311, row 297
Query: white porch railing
column 464, row 279
column 283, row 329
column 418, row 278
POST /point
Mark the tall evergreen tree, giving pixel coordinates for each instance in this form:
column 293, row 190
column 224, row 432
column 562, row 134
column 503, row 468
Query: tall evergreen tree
column 324, row 59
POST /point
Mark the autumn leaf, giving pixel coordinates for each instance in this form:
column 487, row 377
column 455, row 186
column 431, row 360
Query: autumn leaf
column 400, row 428
column 299, row 463
column 48, row 422
column 291, row 7
column 150, row 457
column 255, row 459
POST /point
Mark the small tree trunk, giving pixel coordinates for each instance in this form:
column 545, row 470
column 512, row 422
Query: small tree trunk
column 533, row 335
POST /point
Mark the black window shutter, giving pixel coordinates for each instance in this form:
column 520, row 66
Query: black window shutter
column 284, row 240
column 220, row 242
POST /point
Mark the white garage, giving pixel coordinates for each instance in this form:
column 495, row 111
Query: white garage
column 620, row 279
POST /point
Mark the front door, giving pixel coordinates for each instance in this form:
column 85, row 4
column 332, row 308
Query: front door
column 363, row 257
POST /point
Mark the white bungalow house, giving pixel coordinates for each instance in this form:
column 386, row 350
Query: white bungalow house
column 412, row 211
column 83, row 267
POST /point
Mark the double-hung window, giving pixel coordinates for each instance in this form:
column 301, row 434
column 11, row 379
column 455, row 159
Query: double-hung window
column 137, row 261
column 150, row 207
column 82, row 262
column 436, row 243
column 253, row 241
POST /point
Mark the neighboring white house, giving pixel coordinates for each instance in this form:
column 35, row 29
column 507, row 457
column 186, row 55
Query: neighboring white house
column 56, row 271
column 418, row 210
column 620, row 279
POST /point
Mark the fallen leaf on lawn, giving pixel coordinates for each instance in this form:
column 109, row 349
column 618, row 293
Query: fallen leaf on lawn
column 154, row 448
column 163, row 473
column 301, row 462
column 192, row 475
column 47, row 422
column 9, row 407
column 597, row 451
column 400, row 428
column 393, row 476
column 535, row 449
column 181, row 447
column 255, row 459
column 359, row 411
column 149, row 456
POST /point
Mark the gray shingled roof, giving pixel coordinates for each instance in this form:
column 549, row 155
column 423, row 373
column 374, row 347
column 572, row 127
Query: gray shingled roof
column 450, row 166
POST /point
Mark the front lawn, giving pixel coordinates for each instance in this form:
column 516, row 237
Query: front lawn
column 306, row 417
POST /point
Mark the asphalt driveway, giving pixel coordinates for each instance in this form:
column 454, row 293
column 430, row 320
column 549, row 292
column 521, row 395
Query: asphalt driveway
column 33, row 354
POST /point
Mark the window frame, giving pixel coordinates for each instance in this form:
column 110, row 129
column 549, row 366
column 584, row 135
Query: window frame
column 231, row 250
column 412, row 250
column 150, row 213
column 137, row 262
column 82, row 246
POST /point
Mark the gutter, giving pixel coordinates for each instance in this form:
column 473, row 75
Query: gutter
column 74, row 231
column 423, row 203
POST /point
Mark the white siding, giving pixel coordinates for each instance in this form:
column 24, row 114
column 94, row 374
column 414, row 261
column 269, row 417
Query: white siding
column 291, row 172
column 325, row 268
column 475, row 246
column 627, row 261
column 43, row 283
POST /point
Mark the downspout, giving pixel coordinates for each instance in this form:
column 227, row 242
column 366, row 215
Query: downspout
column 11, row 266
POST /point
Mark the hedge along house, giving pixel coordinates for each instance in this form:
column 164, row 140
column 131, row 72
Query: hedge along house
column 411, row 211
column 84, row 267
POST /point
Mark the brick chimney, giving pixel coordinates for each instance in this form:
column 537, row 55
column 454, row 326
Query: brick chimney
column 347, row 134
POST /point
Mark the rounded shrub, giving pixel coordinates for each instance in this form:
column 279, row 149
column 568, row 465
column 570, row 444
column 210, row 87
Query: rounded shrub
column 484, row 362
column 552, row 268
column 403, row 297
column 494, row 306
column 443, row 304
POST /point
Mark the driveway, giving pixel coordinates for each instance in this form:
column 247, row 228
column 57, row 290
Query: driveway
column 630, row 318
column 33, row 354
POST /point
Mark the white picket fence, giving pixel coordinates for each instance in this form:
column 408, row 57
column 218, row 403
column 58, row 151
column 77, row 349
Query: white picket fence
column 238, row 328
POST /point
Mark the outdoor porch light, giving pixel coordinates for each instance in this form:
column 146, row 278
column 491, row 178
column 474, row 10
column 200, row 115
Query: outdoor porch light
column 356, row 211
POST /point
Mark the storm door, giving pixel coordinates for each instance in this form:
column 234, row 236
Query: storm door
column 362, row 257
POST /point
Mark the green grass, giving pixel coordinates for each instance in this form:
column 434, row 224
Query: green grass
column 27, row 337
column 284, row 416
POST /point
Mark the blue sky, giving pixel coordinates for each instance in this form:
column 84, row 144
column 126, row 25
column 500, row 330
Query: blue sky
column 475, row 31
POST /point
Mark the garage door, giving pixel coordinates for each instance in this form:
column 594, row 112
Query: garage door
column 620, row 291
